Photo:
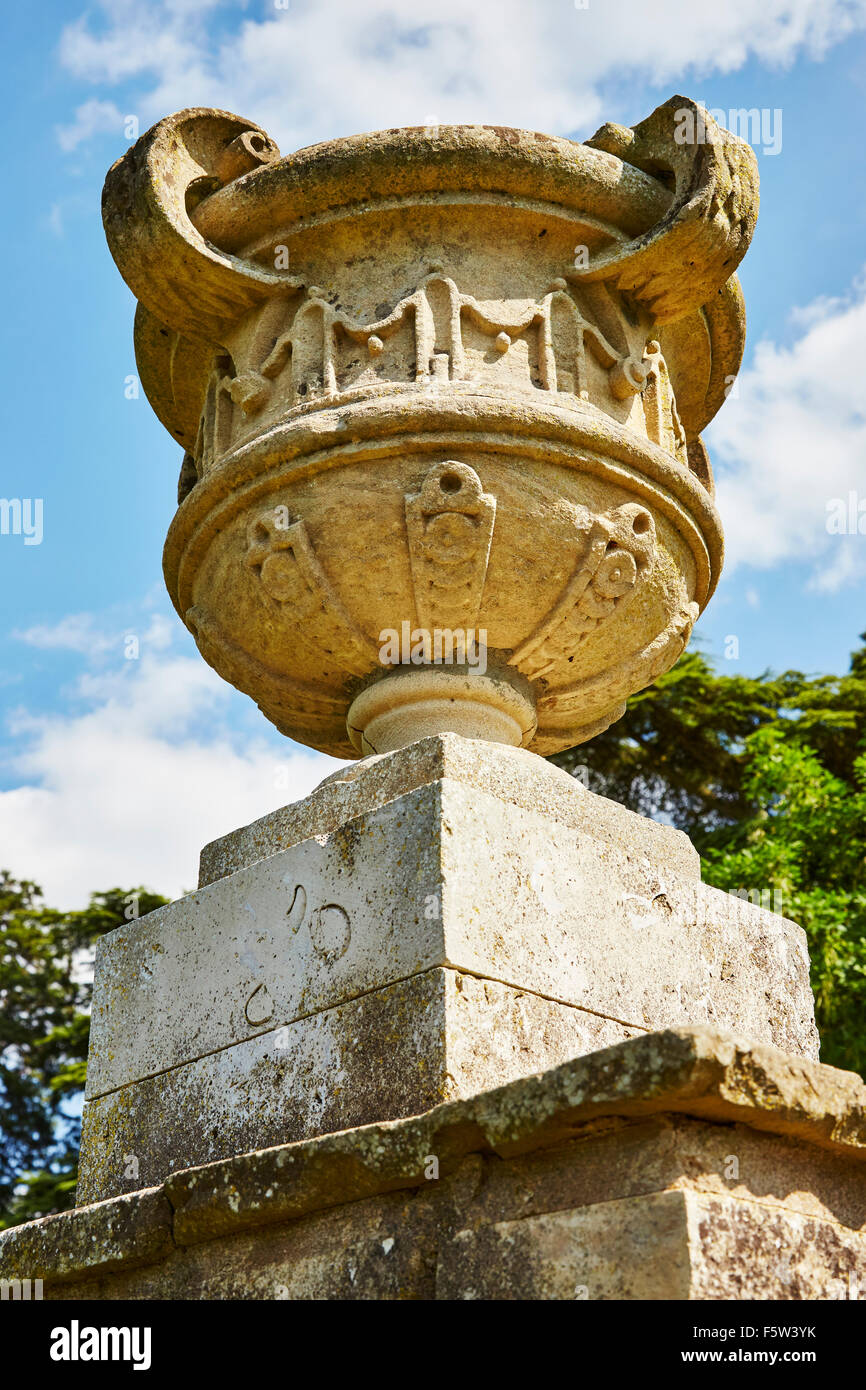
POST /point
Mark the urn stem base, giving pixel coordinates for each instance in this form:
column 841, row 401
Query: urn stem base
column 407, row 705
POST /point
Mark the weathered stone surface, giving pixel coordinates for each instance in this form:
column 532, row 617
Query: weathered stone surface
column 512, row 775
column 608, row 1177
column 444, row 942
column 99, row 1239
column 445, row 875
column 669, row 1245
column 633, row 1249
column 441, row 382
column 393, row 1052
column 740, row 1250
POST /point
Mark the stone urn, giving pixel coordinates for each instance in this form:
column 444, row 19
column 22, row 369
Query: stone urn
column 440, row 394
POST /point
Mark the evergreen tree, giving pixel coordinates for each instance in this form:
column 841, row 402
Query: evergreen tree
column 767, row 775
column 44, row 1027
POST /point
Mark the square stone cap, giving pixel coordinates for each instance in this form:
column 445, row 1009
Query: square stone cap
column 695, row 1072
column 511, row 774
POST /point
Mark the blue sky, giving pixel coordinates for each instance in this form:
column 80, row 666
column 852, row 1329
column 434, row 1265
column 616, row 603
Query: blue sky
column 116, row 770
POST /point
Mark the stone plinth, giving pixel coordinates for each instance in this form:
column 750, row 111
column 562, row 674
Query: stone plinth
column 678, row 1165
column 441, row 920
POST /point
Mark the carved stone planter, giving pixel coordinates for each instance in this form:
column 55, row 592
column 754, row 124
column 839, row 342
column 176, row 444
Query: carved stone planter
column 431, row 382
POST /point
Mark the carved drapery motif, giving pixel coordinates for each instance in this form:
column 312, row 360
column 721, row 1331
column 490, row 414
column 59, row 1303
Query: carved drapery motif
column 439, row 319
column 430, row 330
column 216, row 426
column 660, row 407
column 434, row 336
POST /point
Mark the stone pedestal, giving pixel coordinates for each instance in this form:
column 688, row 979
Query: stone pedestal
column 454, row 1027
column 430, row 924
column 677, row 1165
column 417, row 1036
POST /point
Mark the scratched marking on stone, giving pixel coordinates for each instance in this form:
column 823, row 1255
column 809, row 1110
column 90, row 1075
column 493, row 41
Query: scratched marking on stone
column 298, row 906
column 259, row 1007
column 330, row 931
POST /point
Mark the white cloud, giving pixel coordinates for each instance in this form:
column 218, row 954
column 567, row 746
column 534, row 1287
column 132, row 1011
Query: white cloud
column 129, row 788
column 335, row 67
column 792, row 440
column 77, row 632
column 92, row 118
column 80, row 632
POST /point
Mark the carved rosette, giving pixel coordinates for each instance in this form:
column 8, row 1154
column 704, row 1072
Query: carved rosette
column 619, row 554
column 444, row 384
column 307, row 608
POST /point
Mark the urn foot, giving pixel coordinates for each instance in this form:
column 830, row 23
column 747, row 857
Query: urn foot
column 407, row 705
